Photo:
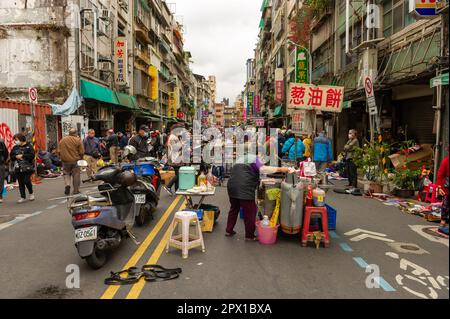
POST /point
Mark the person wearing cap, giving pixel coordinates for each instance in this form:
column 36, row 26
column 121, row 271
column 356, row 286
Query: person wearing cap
column 140, row 142
column 112, row 142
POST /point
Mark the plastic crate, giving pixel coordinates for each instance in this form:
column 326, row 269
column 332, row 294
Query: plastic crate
column 332, row 216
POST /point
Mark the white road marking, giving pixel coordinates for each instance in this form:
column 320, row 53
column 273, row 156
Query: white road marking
column 18, row 219
column 420, row 230
column 359, row 230
column 393, row 255
column 51, row 207
column 364, row 236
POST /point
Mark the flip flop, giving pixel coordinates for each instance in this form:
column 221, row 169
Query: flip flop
column 252, row 239
column 230, row 234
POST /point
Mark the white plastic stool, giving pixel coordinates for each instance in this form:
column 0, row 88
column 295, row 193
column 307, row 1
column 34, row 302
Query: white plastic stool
column 185, row 240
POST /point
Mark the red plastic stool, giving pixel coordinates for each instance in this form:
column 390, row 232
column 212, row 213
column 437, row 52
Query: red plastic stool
column 306, row 234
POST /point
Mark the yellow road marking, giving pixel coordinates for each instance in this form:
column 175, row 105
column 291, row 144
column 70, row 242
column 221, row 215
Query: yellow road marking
column 112, row 290
column 137, row 287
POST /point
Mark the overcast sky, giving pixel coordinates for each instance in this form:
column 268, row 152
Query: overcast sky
column 221, row 35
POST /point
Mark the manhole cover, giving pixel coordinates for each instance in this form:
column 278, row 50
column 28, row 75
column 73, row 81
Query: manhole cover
column 410, row 247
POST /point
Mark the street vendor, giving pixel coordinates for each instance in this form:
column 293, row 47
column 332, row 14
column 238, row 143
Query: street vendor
column 242, row 187
column 442, row 182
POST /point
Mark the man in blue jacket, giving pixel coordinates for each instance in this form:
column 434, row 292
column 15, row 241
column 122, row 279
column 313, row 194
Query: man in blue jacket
column 323, row 152
column 289, row 148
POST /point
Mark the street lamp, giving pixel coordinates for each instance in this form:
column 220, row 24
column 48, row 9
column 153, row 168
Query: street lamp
column 309, row 57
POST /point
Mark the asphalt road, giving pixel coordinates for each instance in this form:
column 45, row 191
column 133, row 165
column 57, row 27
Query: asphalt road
column 36, row 247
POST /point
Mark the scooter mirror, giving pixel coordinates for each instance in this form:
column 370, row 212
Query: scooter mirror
column 82, row 163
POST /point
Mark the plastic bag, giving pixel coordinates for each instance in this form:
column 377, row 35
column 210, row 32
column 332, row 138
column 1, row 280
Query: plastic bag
column 308, row 169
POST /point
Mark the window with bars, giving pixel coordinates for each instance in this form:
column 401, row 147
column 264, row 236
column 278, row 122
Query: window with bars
column 396, row 16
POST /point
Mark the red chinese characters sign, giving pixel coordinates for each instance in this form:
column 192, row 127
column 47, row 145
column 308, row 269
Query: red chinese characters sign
column 120, row 61
column 311, row 97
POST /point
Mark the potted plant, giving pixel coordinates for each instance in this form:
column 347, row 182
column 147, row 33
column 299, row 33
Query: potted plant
column 405, row 181
column 371, row 159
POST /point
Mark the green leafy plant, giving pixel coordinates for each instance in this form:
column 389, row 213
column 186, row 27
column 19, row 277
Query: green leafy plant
column 372, row 159
column 405, row 178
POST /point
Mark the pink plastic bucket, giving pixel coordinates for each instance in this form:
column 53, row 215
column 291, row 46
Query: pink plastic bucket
column 267, row 235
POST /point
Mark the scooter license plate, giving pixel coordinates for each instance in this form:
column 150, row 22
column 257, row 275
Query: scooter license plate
column 85, row 234
column 139, row 199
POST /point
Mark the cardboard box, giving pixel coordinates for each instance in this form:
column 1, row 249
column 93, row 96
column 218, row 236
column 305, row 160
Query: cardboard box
column 413, row 160
column 166, row 176
column 207, row 224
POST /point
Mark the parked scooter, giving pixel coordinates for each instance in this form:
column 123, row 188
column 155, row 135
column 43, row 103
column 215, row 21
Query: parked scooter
column 147, row 189
column 103, row 219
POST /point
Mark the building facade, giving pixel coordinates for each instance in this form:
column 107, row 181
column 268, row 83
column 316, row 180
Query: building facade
column 125, row 58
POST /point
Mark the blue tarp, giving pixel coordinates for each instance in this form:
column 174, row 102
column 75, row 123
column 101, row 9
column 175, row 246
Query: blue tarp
column 69, row 107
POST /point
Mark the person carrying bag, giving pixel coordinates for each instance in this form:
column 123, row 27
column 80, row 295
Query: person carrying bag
column 23, row 156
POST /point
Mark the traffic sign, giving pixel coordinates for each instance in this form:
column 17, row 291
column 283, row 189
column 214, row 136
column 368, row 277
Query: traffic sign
column 32, row 95
column 368, row 86
column 373, row 110
column 439, row 80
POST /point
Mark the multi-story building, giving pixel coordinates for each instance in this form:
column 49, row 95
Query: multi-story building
column 125, row 58
column 399, row 50
column 203, row 98
column 219, row 114
column 230, row 116
column 402, row 56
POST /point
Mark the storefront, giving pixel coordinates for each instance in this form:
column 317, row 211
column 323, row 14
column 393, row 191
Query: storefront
column 108, row 109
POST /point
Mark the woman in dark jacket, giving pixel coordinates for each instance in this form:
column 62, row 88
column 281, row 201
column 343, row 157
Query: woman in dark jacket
column 242, row 192
column 23, row 156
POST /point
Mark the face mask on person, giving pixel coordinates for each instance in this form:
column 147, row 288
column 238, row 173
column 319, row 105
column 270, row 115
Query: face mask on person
column 17, row 142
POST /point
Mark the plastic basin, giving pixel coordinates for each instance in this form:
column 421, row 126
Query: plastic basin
column 267, row 235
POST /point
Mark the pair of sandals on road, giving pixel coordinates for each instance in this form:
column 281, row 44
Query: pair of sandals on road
column 352, row 191
column 151, row 273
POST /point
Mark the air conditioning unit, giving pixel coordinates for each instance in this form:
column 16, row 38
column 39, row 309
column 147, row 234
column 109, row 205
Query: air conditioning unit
column 105, row 66
column 102, row 28
column 105, row 14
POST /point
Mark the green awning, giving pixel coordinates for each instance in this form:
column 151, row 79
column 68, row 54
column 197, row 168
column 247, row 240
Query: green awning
column 264, row 4
column 127, row 101
column 261, row 24
column 97, row 92
column 149, row 115
column 278, row 111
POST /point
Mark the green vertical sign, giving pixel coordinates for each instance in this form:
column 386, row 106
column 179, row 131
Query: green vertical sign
column 301, row 64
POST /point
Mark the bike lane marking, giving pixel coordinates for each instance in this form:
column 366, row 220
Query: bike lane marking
column 380, row 280
column 137, row 287
column 112, row 290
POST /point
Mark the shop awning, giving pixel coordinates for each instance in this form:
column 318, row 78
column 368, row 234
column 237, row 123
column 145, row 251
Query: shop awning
column 148, row 115
column 278, row 111
column 127, row 101
column 97, row 92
